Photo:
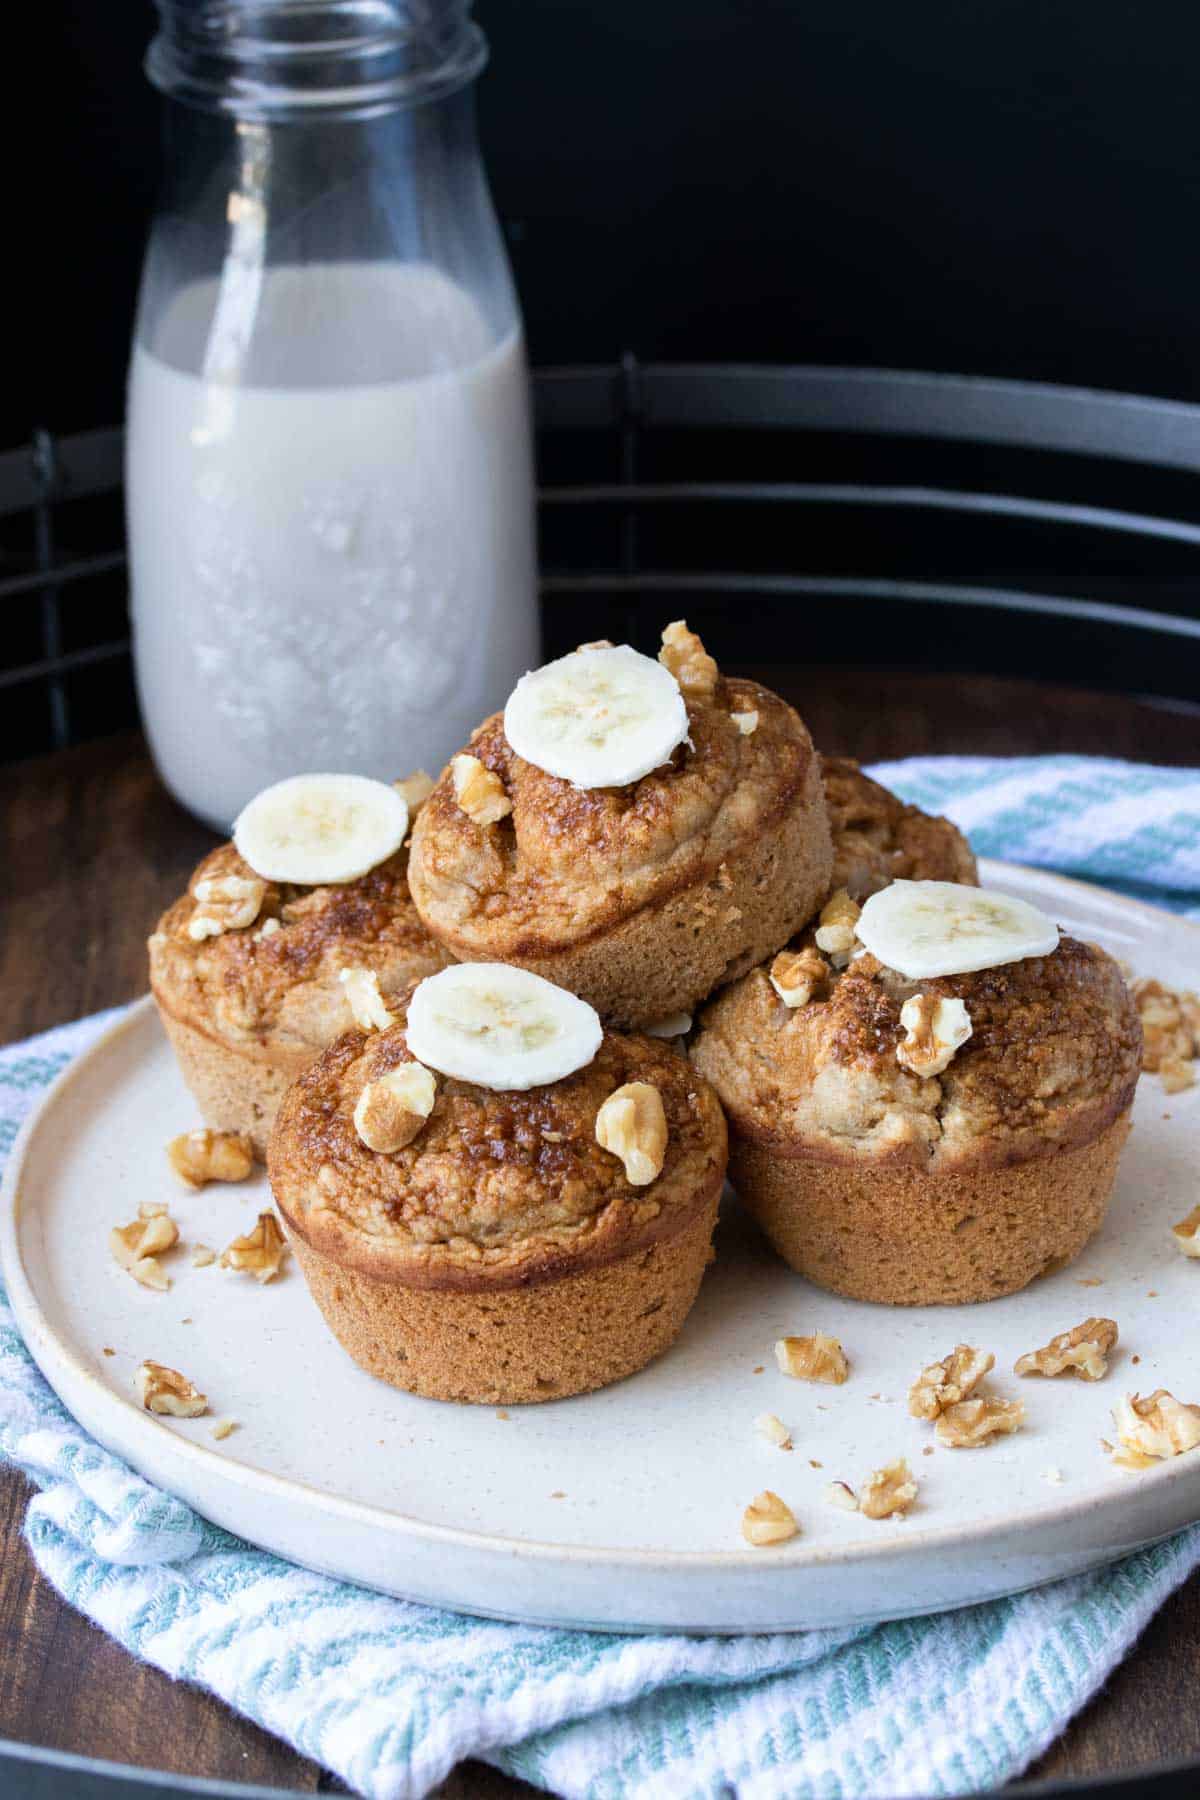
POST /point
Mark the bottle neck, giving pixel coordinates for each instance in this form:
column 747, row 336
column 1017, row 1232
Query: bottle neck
column 303, row 59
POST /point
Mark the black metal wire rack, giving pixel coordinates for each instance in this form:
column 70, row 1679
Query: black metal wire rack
column 932, row 520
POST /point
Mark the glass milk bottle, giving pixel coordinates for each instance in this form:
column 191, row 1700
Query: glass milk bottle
column 329, row 473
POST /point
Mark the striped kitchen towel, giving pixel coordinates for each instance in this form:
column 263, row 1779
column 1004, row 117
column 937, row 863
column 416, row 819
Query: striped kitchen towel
column 391, row 1696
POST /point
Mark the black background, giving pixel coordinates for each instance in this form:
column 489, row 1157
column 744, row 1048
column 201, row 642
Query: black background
column 1003, row 186
column 1006, row 187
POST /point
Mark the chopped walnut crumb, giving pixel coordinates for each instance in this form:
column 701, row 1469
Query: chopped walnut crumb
column 260, row 1253
column 1153, row 1428
column 392, row 1110
column 689, row 662
column 416, row 789
column 1187, row 1233
column 837, row 927
column 774, row 1430
column 202, row 1256
column 478, row 790
column 796, row 975
column 164, row 1390
column 138, row 1246
column 361, row 988
column 969, row 1423
column 1083, row 1351
column 1170, row 1032
column 767, row 1520
column 632, row 1125
column 267, row 929
column 225, row 903
column 1053, row 1476
column 201, row 1156
column 222, row 1428
column 888, row 1493
column 944, row 1383
column 815, row 1358
column 839, row 1494
column 746, row 722
column 936, row 1032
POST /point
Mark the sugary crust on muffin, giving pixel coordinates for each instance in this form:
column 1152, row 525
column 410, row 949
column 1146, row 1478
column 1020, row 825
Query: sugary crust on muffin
column 498, row 1189
column 877, row 838
column 278, row 996
column 1052, row 1060
column 569, row 864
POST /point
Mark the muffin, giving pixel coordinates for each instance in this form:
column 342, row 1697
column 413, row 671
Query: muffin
column 878, row 838
column 498, row 1252
column 925, row 1141
column 247, row 976
column 644, row 894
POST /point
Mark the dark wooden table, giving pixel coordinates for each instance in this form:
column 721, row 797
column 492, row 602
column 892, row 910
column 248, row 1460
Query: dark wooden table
column 92, row 849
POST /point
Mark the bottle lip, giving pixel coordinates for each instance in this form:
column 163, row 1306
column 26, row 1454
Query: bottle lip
column 294, row 59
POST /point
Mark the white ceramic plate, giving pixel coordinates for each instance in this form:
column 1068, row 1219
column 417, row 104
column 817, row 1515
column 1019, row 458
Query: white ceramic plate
column 620, row 1510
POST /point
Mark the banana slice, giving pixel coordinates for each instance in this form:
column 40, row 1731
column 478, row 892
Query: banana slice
column 500, row 1027
column 315, row 829
column 927, row 928
column 601, row 717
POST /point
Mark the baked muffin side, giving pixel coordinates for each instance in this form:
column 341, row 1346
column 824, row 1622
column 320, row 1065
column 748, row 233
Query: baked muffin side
column 502, row 1255
column 889, row 1185
column 877, row 837
column 641, row 899
column 247, row 1009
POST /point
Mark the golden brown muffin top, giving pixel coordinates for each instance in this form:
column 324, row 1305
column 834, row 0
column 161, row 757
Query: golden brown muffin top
column 248, row 984
column 877, row 838
column 568, row 863
column 495, row 1186
column 1052, row 1059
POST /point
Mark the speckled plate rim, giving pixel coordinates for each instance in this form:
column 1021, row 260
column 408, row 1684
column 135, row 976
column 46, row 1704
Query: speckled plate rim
column 1164, row 1499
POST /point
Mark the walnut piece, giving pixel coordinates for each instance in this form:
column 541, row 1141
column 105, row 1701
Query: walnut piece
column 841, row 1495
column 796, row 975
column 1083, row 1351
column 137, row 1246
column 965, row 1424
column 222, row 1428
column 201, row 1156
column 837, row 927
column 1153, row 1428
column 478, row 790
column 361, row 988
column 774, row 1430
column 937, row 1029
column 225, row 903
column 944, row 1383
column 1187, row 1233
column 746, row 722
column 631, row 1124
column 815, row 1358
column 203, row 1256
column 392, row 1110
column 416, row 789
column 260, row 1253
column 689, row 662
column 163, row 1390
column 1170, row 1032
column 888, row 1493
column 768, row 1520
